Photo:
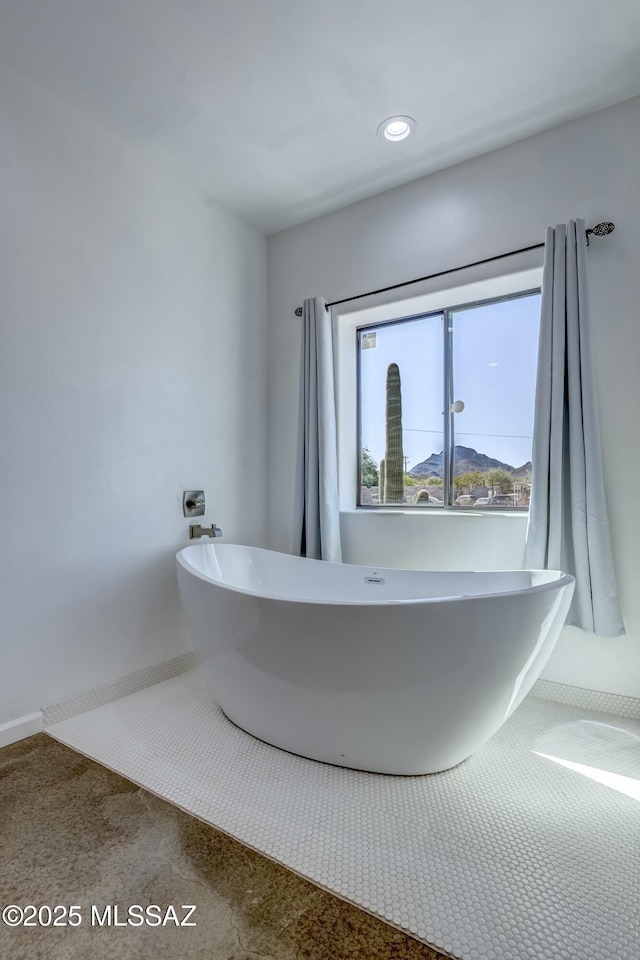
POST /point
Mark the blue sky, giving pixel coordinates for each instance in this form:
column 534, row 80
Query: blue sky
column 495, row 350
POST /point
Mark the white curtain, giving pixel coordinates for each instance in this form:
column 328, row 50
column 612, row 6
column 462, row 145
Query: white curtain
column 317, row 475
column 568, row 522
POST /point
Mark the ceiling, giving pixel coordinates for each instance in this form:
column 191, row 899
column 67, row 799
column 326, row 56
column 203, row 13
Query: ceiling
column 272, row 106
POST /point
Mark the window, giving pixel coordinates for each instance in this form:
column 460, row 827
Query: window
column 445, row 406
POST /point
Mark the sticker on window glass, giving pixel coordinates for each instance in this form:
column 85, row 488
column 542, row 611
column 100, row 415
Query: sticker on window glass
column 367, row 341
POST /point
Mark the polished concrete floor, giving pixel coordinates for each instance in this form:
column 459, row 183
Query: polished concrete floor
column 74, row 833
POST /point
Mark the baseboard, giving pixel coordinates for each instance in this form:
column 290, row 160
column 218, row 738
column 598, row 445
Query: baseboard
column 613, row 703
column 107, row 692
column 20, row 729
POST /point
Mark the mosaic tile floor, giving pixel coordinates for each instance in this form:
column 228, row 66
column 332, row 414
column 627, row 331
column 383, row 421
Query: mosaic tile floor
column 529, row 850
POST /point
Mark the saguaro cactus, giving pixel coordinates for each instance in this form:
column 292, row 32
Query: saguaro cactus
column 394, row 457
column 381, row 482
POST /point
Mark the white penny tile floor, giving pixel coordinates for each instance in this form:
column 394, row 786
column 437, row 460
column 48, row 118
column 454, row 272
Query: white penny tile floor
column 529, row 850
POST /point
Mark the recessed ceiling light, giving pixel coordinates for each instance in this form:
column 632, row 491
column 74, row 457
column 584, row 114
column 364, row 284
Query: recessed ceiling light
column 395, row 129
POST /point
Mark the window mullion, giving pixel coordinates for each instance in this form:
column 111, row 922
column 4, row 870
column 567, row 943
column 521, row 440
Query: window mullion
column 447, row 452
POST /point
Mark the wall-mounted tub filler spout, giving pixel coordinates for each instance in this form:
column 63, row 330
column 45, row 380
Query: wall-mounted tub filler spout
column 196, row 531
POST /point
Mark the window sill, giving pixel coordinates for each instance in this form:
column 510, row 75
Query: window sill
column 435, row 512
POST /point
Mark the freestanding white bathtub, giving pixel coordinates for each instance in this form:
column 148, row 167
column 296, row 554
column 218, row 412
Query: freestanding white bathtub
column 393, row 671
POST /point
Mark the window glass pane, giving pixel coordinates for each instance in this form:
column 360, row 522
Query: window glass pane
column 494, row 358
column 414, row 476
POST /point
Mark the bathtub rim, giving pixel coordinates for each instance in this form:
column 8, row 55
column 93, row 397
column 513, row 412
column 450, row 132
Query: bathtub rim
column 562, row 580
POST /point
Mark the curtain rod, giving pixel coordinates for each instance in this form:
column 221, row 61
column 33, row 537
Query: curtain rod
column 600, row 230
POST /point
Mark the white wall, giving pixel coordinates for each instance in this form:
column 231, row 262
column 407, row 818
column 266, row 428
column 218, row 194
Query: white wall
column 132, row 366
column 498, row 202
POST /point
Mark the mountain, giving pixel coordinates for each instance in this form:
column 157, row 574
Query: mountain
column 524, row 472
column 466, row 460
